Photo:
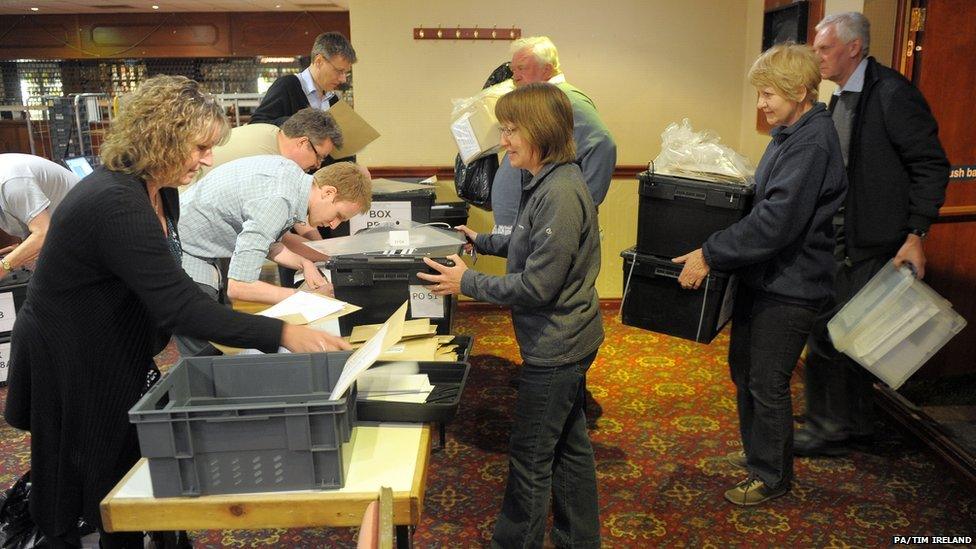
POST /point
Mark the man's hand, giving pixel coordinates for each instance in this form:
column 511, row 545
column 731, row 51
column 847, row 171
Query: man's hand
column 448, row 281
column 469, row 235
column 313, row 277
column 694, row 271
column 912, row 252
column 302, row 339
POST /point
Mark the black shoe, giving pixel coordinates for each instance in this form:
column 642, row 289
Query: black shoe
column 808, row 445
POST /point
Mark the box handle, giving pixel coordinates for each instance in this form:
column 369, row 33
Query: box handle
column 694, row 195
column 669, row 273
column 237, row 418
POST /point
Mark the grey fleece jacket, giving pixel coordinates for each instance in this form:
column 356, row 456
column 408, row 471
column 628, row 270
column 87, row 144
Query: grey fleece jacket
column 553, row 260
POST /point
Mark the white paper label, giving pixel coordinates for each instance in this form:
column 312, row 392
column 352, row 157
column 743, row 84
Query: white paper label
column 395, row 213
column 399, row 238
column 7, row 312
column 4, row 359
column 424, row 304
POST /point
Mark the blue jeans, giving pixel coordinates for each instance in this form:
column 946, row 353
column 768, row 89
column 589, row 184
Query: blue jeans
column 768, row 335
column 550, row 453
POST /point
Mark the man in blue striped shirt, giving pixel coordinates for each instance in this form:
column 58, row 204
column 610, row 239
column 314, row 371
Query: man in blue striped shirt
column 241, row 209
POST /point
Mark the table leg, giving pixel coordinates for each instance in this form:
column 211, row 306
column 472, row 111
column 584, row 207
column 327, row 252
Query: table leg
column 404, row 536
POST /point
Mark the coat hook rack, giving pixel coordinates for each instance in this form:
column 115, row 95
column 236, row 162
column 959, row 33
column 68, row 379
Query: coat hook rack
column 476, row 32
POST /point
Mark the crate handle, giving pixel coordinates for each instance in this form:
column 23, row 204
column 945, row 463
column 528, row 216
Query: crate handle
column 694, row 195
column 237, row 418
column 669, row 273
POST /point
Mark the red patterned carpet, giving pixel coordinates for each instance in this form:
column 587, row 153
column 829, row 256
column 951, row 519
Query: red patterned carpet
column 666, row 417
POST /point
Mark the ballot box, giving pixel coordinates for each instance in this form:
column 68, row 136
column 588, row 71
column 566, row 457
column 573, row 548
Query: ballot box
column 13, row 292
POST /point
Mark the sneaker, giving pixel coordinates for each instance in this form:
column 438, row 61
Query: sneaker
column 737, row 458
column 753, row 491
column 806, row 444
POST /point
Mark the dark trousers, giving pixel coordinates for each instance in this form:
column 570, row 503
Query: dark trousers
column 550, row 453
column 838, row 390
column 767, row 338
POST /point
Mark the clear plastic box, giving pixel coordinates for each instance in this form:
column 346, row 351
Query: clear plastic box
column 894, row 325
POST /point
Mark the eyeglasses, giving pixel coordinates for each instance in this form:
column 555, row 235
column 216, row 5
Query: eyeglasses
column 507, row 132
column 318, row 156
column 342, row 72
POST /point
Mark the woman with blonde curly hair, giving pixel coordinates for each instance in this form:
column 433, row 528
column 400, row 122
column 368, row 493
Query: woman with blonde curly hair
column 107, row 294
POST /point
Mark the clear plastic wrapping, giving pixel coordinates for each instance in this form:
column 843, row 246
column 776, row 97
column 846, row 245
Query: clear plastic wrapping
column 700, row 155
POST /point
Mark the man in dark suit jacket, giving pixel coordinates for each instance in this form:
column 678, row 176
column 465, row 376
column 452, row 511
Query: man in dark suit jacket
column 897, row 174
column 332, row 60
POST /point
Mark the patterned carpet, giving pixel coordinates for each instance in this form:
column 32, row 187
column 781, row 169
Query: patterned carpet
column 664, row 418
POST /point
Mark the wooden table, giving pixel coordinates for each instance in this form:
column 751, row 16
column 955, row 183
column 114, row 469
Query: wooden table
column 393, row 455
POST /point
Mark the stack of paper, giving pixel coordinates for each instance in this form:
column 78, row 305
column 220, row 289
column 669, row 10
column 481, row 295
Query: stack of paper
column 419, row 342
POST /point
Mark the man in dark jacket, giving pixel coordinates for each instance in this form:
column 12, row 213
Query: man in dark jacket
column 897, row 173
column 332, row 60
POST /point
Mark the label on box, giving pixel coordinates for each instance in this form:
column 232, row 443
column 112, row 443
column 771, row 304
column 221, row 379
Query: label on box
column 7, row 312
column 395, row 213
column 4, row 360
column 424, row 304
column 399, row 238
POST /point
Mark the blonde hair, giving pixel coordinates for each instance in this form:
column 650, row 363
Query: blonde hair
column 351, row 182
column 544, row 118
column 159, row 125
column 787, row 68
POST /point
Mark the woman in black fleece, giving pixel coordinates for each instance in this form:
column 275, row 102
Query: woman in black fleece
column 782, row 252
column 107, row 294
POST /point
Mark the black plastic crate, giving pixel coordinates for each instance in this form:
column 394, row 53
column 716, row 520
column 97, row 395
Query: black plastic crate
column 380, row 283
column 448, row 379
column 248, row 423
column 452, row 213
column 653, row 300
column 13, row 292
column 676, row 215
column 5, row 359
column 420, row 200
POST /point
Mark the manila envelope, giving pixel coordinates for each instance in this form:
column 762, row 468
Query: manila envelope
column 356, row 132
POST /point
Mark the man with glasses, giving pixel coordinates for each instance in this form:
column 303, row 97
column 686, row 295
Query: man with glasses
column 240, row 212
column 332, row 60
column 306, row 138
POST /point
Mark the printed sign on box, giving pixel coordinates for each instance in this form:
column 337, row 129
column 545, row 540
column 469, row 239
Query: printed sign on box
column 8, row 314
column 4, row 360
column 397, row 213
column 424, row 304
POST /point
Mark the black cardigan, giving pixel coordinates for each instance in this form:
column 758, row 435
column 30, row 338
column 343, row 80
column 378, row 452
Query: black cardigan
column 284, row 98
column 106, row 294
column 896, row 168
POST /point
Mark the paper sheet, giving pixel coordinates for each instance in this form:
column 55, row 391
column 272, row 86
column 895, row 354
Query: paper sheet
column 310, row 306
column 387, row 186
column 363, row 358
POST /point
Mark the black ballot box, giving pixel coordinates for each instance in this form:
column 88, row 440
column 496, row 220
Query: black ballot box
column 380, row 282
column 676, row 215
column 450, row 213
column 13, row 292
column 654, row 301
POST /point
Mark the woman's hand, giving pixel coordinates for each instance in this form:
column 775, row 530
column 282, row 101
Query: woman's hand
column 302, row 339
column 448, row 281
column 694, row 271
column 469, row 235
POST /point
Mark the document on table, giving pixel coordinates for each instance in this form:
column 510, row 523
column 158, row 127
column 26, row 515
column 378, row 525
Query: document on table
column 307, row 305
column 364, row 357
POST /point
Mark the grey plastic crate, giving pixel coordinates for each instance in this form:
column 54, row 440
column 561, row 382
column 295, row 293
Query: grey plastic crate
column 255, row 423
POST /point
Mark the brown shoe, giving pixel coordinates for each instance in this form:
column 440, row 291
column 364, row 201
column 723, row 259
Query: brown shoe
column 753, row 491
column 737, row 458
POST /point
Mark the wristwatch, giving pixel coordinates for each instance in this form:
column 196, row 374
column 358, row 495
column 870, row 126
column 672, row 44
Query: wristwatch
column 921, row 233
column 6, row 265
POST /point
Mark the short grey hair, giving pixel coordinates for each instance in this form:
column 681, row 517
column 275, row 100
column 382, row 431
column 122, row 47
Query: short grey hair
column 849, row 26
column 314, row 124
column 541, row 48
column 330, row 44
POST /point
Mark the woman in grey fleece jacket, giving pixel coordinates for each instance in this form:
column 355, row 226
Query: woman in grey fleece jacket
column 553, row 260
